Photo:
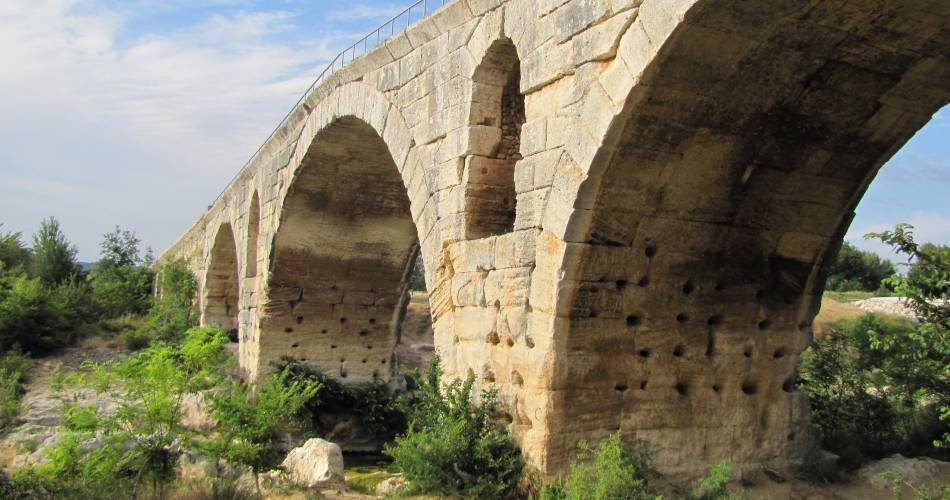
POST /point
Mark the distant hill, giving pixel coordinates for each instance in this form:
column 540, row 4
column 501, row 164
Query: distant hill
column 87, row 266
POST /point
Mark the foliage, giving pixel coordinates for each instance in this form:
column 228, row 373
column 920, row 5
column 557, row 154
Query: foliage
column 611, row 471
column 122, row 281
column 13, row 252
column 855, row 269
column 374, row 406
column 714, row 485
column 173, row 310
column 417, row 279
column 54, row 258
column 14, row 367
column 453, row 446
column 920, row 361
column 250, row 425
column 33, row 316
column 921, row 492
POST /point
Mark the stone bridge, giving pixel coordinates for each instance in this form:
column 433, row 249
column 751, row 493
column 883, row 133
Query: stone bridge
column 625, row 208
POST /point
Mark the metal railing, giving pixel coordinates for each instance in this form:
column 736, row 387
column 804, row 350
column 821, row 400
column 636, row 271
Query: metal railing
column 403, row 20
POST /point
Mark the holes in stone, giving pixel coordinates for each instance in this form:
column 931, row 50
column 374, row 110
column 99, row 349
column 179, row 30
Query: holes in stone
column 528, row 341
column 633, row 320
column 364, row 333
column 516, row 378
column 342, row 360
column 714, row 320
column 470, row 373
column 803, row 326
column 643, row 385
column 719, row 287
column 323, row 331
column 332, row 347
column 688, row 288
column 644, row 353
column 649, row 251
column 779, row 353
column 382, row 362
column 455, row 339
column 711, row 344
column 342, row 321
column 747, row 353
column 369, row 348
column 299, row 319
column 789, row 385
column 765, row 324
column 493, row 338
column 592, row 314
column 682, row 318
column 644, row 282
column 364, row 360
column 716, row 388
column 484, row 171
column 372, row 321
column 682, row 388
column 791, row 436
column 288, row 330
column 375, row 373
column 678, row 351
column 510, row 342
column 488, row 376
column 621, row 285
column 750, row 388
column 759, row 294
column 621, row 387
column 505, row 201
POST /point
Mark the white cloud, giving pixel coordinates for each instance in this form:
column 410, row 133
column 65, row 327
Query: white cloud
column 362, row 11
column 928, row 227
column 168, row 116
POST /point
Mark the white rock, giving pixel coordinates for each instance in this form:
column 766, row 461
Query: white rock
column 195, row 413
column 318, row 463
column 912, row 470
column 391, row 485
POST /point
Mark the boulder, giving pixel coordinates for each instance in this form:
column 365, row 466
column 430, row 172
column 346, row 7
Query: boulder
column 195, row 413
column 391, row 485
column 316, row 464
column 912, row 470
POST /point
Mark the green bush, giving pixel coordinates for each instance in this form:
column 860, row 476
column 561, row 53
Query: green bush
column 173, row 311
column 14, row 367
column 122, row 279
column 373, row 405
column 855, row 270
column 453, row 446
column 53, row 258
column 13, row 252
column 611, row 471
column 32, row 316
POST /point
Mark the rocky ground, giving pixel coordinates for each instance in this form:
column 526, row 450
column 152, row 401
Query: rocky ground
column 42, row 408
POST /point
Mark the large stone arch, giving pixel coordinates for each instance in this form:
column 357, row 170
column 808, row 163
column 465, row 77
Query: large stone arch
column 221, row 284
column 345, row 242
column 693, row 255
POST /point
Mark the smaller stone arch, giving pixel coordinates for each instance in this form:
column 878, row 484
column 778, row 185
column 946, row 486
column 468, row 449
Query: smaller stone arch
column 221, row 289
column 499, row 106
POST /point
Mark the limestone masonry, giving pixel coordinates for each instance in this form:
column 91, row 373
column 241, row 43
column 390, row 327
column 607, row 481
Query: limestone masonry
column 625, row 208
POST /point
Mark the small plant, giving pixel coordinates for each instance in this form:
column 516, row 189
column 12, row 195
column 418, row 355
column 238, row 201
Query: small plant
column 920, row 492
column 14, row 367
column 714, row 486
column 172, row 312
column 453, row 445
column 612, row 470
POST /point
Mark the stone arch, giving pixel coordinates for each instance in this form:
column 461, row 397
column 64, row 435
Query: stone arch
column 498, row 108
column 253, row 234
column 341, row 256
column 701, row 232
column 221, row 289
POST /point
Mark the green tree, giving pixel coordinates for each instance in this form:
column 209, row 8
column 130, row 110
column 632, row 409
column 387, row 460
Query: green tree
column 855, row 269
column 13, row 253
column 54, row 257
column 173, row 310
column 122, row 282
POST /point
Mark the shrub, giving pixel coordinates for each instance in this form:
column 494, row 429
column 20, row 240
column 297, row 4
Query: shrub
column 376, row 409
column 172, row 312
column 612, row 470
column 14, row 367
column 31, row 316
column 122, row 280
column 855, row 269
column 714, row 486
column 13, row 253
column 251, row 425
column 453, row 446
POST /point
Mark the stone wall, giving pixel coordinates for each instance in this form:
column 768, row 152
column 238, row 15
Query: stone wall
column 683, row 170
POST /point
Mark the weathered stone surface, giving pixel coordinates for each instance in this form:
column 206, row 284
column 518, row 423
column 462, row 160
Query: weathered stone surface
column 196, row 414
column 624, row 209
column 316, row 464
column 915, row 471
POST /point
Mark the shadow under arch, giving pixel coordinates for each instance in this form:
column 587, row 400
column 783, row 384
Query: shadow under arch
column 221, row 284
column 725, row 186
column 341, row 258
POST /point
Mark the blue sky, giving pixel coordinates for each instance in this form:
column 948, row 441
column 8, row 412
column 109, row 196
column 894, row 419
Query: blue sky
column 138, row 112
